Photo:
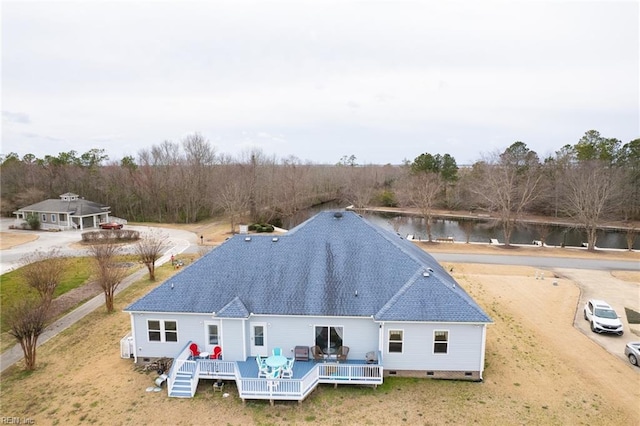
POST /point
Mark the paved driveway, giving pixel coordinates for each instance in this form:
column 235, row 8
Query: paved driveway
column 178, row 242
column 619, row 294
column 594, row 278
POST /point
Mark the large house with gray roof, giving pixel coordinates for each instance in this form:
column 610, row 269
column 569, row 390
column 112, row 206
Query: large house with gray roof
column 69, row 211
column 334, row 280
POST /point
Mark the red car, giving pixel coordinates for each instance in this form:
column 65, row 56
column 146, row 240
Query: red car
column 111, row 225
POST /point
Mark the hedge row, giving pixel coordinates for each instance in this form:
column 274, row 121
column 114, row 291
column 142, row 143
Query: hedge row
column 110, row 235
column 261, row 227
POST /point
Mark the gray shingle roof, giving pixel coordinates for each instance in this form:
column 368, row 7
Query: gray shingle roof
column 327, row 266
column 78, row 207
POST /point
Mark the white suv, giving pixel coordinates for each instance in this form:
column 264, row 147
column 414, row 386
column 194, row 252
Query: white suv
column 602, row 317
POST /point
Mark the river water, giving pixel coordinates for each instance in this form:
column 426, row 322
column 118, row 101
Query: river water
column 482, row 232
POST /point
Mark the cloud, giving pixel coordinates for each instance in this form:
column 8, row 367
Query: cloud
column 30, row 135
column 15, row 117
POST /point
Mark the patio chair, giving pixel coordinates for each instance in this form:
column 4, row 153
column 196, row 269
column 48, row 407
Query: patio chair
column 262, row 362
column 263, row 370
column 277, row 351
column 287, row 371
column 317, row 353
column 342, row 353
column 194, row 350
column 274, row 373
column 217, row 353
column 371, row 357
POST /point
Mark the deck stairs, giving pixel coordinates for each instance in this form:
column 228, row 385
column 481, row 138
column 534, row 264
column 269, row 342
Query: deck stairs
column 182, row 385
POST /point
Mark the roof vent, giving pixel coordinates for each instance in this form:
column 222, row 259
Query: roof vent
column 430, row 269
column 247, row 238
column 337, row 215
column 274, row 239
column 425, row 274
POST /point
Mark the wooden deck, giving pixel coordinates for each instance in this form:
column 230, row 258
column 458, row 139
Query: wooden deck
column 185, row 374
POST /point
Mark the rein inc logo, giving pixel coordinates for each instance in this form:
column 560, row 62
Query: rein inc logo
column 17, row 421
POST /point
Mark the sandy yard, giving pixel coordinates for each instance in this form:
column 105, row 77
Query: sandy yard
column 540, row 369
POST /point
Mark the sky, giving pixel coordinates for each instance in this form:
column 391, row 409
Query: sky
column 384, row 81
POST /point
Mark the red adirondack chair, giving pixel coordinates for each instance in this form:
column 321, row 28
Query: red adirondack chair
column 217, row 353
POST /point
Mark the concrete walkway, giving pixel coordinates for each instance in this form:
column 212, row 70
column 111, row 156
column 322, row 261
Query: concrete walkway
column 15, row 354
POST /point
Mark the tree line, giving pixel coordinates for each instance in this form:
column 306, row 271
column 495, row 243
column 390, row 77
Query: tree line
column 594, row 180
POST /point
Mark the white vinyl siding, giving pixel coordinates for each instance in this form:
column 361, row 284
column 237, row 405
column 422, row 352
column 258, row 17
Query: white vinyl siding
column 464, row 347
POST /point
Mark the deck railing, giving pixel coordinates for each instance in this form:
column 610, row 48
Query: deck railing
column 351, row 373
column 284, row 389
column 181, row 363
column 298, row 389
column 216, row 369
column 273, row 389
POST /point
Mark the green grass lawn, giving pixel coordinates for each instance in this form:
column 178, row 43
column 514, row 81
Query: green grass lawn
column 13, row 289
column 78, row 272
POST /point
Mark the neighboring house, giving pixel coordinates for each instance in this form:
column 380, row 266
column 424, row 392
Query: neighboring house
column 69, row 212
column 335, row 280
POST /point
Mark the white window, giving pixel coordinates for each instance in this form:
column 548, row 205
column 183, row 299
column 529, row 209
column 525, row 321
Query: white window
column 44, row 217
column 53, row 218
column 162, row 331
column 214, row 338
column 440, row 342
column 395, row 341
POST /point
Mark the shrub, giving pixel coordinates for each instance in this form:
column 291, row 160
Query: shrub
column 119, row 235
column 34, row 221
column 261, row 227
column 386, row 198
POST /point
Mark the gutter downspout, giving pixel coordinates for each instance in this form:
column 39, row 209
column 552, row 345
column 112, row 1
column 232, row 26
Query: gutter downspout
column 135, row 343
column 483, row 351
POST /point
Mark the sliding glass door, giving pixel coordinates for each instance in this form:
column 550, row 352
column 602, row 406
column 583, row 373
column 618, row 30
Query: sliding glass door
column 329, row 338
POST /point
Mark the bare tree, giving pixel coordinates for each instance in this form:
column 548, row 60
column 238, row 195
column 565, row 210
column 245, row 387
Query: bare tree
column 467, row 227
column 109, row 273
column 397, row 222
column 543, row 230
column 26, row 322
column 43, row 272
column 508, row 184
column 290, row 186
column 423, row 193
column 149, row 249
column 361, row 185
column 234, row 200
column 195, row 175
column 631, row 235
column 590, row 188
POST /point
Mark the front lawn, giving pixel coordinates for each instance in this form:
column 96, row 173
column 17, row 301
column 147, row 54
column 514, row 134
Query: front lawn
column 13, row 289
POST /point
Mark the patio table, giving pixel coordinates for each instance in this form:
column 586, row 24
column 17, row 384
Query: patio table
column 276, row 361
column 330, row 353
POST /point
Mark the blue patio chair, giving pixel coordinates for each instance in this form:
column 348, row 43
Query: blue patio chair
column 287, row 371
column 274, row 373
column 263, row 370
column 272, row 384
column 277, row 351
